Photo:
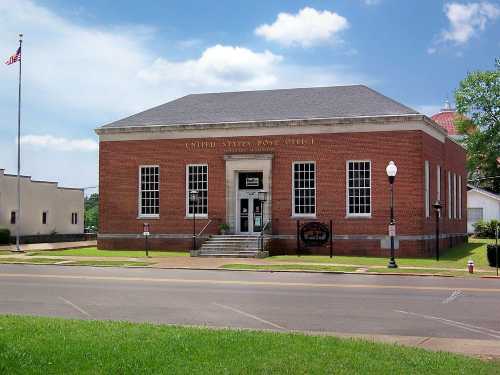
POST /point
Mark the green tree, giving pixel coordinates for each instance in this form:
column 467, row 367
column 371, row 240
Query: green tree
column 478, row 101
column 92, row 211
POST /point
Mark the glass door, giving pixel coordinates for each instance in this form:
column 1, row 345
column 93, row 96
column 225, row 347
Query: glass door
column 250, row 219
column 257, row 215
column 244, row 215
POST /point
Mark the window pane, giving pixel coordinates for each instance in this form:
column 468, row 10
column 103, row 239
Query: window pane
column 304, row 185
column 358, row 187
column 197, row 180
column 149, row 191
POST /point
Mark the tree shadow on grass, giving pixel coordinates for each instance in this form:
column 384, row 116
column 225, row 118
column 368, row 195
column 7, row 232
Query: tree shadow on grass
column 459, row 252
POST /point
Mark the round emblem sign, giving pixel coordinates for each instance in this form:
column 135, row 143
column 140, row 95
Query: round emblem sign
column 314, row 233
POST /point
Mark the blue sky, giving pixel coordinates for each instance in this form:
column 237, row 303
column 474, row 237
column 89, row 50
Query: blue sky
column 90, row 62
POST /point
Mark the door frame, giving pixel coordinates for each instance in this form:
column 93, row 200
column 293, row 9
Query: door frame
column 251, row 195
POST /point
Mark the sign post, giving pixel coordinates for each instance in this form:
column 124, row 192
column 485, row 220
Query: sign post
column 496, row 246
column 145, row 233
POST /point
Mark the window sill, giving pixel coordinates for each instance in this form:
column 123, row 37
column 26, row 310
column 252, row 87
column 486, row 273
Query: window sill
column 354, row 216
column 200, row 216
column 303, row 217
column 148, row 217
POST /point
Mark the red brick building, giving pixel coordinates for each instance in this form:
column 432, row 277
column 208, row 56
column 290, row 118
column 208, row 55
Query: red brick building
column 319, row 153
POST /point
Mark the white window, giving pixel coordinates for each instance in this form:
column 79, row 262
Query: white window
column 474, row 214
column 149, row 191
column 454, row 195
column 449, row 195
column 438, row 185
column 358, row 188
column 426, row 189
column 197, row 179
column 460, row 197
column 304, row 188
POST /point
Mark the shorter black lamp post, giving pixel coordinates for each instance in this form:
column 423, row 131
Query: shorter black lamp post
column 391, row 171
column 193, row 199
column 262, row 196
column 437, row 209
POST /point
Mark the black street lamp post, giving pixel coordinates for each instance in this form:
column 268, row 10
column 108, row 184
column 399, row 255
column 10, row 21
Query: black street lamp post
column 391, row 171
column 193, row 198
column 437, row 208
column 262, row 195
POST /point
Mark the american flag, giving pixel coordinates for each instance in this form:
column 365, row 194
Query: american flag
column 15, row 57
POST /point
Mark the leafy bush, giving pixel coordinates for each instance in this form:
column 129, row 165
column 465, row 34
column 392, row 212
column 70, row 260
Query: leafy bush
column 485, row 229
column 224, row 227
column 4, row 236
column 492, row 255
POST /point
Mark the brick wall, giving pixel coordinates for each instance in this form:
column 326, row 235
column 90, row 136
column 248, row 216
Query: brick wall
column 119, row 163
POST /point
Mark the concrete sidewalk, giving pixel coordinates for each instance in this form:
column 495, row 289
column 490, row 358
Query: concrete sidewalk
column 485, row 349
column 50, row 246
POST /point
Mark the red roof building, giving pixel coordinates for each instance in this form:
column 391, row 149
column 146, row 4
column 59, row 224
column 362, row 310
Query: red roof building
column 446, row 118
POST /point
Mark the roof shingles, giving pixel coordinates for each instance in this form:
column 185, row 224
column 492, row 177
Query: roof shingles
column 268, row 105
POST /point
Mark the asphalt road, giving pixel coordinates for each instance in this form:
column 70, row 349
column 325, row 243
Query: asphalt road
column 366, row 304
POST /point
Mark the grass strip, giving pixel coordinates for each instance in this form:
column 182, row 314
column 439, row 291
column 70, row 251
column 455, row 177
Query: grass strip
column 289, row 267
column 94, row 252
column 108, row 263
column 30, row 345
column 30, row 260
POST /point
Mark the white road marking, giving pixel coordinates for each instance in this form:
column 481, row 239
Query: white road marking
column 74, row 306
column 453, row 296
column 453, row 323
column 250, row 316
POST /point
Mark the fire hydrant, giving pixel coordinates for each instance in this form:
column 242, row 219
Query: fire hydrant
column 470, row 266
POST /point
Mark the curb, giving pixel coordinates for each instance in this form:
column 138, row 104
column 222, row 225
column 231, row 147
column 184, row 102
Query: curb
column 257, row 270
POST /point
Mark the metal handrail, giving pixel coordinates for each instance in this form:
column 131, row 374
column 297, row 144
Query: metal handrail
column 205, row 227
column 261, row 239
column 265, row 226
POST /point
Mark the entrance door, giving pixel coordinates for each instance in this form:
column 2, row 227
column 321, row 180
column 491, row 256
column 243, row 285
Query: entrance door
column 250, row 213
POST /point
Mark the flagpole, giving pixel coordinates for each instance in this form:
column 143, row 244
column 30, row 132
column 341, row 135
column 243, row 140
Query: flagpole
column 18, row 215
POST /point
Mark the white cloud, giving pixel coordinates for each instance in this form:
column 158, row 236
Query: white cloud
column 218, row 66
column 306, row 28
column 467, row 20
column 371, row 2
column 59, row 143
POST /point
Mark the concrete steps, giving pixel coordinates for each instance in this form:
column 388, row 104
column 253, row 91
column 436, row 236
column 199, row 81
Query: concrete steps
column 232, row 246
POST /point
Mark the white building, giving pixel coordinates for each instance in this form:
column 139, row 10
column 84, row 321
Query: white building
column 46, row 208
column 481, row 205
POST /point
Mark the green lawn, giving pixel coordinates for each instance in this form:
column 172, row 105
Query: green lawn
column 109, row 263
column 55, row 346
column 94, row 252
column 456, row 257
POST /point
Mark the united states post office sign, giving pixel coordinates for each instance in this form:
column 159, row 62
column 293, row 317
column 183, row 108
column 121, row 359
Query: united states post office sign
column 250, row 144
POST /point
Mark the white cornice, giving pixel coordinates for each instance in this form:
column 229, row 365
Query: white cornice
column 276, row 127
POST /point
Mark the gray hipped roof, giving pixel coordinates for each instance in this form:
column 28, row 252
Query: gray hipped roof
column 268, row 105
